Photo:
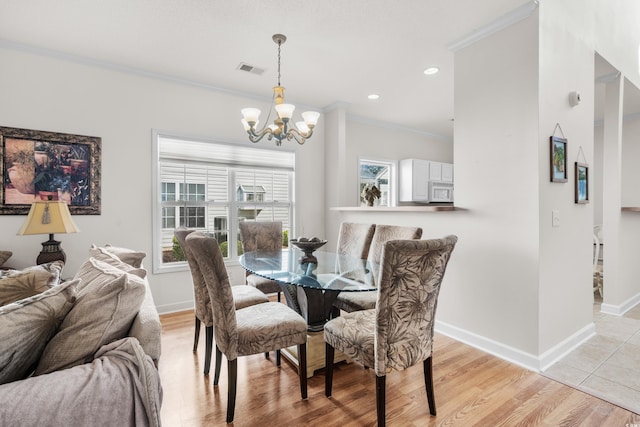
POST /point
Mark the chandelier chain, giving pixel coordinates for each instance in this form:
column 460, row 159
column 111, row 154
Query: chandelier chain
column 279, row 44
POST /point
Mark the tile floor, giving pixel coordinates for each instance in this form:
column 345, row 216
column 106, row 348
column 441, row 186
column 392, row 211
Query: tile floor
column 608, row 365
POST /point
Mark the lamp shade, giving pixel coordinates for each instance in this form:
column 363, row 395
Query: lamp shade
column 48, row 217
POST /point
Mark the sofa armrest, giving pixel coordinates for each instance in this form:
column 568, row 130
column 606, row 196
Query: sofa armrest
column 146, row 327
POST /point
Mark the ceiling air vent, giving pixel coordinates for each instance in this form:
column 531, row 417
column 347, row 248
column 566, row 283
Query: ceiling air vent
column 250, row 69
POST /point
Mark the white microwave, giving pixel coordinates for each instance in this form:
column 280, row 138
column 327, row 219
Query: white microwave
column 440, row 191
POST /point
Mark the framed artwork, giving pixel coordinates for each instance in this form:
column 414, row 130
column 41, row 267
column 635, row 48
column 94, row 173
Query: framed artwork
column 38, row 165
column 582, row 183
column 558, row 159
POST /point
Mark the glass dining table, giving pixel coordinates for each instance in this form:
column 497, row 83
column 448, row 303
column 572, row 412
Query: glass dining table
column 311, row 287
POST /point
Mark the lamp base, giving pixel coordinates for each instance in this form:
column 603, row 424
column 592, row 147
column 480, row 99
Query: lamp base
column 51, row 251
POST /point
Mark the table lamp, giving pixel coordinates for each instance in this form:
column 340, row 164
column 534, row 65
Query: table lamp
column 49, row 217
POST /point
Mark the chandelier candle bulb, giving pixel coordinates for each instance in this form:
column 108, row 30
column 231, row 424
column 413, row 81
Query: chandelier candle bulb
column 302, row 127
column 285, row 111
column 251, row 115
column 310, row 118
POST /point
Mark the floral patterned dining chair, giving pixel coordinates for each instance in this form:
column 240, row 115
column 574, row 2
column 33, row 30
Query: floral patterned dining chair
column 250, row 330
column 243, row 296
column 398, row 333
column 354, row 301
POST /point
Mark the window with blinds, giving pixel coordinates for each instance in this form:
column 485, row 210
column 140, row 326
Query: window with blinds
column 211, row 187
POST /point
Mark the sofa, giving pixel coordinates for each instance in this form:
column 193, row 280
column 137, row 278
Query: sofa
column 82, row 351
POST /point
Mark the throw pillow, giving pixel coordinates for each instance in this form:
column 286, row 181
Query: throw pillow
column 104, row 255
column 4, row 256
column 27, row 325
column 105, row 307
column 131, row 257
column 19, row 284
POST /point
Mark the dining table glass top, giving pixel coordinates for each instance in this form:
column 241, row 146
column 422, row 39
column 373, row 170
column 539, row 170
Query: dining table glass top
column 333, row 272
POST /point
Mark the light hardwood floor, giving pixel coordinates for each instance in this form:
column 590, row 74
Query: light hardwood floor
column 472, row 388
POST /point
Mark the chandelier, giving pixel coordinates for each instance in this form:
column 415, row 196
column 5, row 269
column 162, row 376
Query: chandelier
column 281, row 128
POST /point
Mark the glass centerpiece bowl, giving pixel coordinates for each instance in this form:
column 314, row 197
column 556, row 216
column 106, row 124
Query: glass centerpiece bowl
column 308, row 246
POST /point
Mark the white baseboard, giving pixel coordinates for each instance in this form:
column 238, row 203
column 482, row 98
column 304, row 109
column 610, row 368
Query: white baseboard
column 513, row 355
column 619, row 310
column 563, row 348
column 510, row 354
column 173, row 308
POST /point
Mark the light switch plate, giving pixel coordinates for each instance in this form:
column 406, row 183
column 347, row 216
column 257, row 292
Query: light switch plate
column 555, row 218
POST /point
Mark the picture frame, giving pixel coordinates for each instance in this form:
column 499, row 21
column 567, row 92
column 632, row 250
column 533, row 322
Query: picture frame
column 558, row 159
column 581, row 183
column 41, row 165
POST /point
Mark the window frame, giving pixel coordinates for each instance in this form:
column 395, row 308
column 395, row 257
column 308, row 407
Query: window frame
column 393, row 179
column 232, row 205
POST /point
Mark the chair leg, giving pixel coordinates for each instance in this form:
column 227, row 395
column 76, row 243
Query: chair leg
column 380, row 400
column 428, row 382
column 266, row 354
column 216, row 375
column 232, row 367
column 209, row 344
column 196, row 337
column 302, row 368
column 329, row 353
column 279, row 297
column 277, row 357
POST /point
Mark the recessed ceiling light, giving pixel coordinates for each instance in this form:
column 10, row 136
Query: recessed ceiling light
column 373, row 96
column 431, row 70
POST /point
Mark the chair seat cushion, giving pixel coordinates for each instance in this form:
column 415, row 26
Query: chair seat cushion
column 353, row 334
column 265, row 285
column 244, row 296
column 269, row 326
column 355, row 301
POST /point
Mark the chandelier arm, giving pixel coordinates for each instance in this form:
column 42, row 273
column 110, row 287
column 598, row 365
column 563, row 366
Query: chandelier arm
column 257, row 136
column 299, row 137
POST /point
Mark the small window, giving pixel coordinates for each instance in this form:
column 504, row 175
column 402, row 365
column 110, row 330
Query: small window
column 376, row 183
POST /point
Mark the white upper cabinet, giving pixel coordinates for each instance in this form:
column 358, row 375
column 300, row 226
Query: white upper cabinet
column 415, row 176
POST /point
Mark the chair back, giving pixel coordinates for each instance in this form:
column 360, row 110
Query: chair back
column 409, row 284
column 355, row 239
column 596, row 252
column 207, row 254
column 265, row 235
column 200, row 293
column 384, row 234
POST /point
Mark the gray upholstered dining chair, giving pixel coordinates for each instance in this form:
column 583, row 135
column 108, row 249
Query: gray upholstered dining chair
column 243, row 296
column 398, row 333
column 250, row 330
column 353, row 301
column 261, row 235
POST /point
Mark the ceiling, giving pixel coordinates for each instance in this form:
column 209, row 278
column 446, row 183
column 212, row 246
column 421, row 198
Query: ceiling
column 337, row 51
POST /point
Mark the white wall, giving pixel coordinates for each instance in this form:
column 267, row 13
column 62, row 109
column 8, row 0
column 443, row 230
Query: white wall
column 45, row 93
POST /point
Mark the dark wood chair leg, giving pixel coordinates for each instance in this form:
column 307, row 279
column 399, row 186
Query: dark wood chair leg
column 277, row 357
column 279, row 297
column 380, row 400
column 216, row 374
column 428, row 382
column 329, row 353
column 232, row 366
column 207, row 352
column 266, row 354
column 196, row 337
column 302, row 369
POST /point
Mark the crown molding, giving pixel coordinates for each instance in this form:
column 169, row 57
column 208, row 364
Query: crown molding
column 55, row 54
column 498, row 24
column 106, row 65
